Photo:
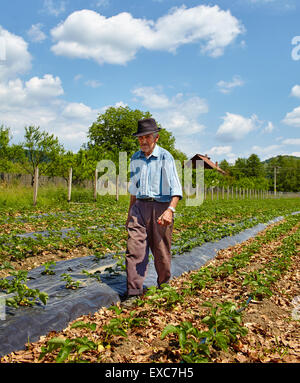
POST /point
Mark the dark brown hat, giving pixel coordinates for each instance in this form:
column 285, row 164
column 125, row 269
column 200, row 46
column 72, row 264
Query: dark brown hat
column 146, row 126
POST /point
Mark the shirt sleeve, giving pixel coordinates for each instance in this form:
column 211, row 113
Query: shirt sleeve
column 175, row 185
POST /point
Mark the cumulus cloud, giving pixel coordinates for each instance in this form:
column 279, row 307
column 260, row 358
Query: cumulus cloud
column 295, row 91
column 116, row 40
column 293, row 118
column 17, row 58
column 226, row 87
column 236, row 127
column 177, row 114
column 152, row 97
column 37, row 102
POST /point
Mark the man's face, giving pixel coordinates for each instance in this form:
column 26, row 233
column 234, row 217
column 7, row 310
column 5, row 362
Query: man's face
column 147, row 143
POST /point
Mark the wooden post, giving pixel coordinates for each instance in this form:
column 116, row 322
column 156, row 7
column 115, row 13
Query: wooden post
column 95, row 185
column 70, row 185
column 35, row 185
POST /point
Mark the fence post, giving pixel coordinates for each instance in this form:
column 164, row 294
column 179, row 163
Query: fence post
column 35, row 185
column 70, row 185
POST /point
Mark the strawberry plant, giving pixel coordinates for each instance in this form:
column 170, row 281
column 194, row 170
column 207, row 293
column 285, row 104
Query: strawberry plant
column 70, row 283
column 224, row 326
column 49, row 268
column 66, row 347
column 92, row 275
column 165, row 296
column 24, row 296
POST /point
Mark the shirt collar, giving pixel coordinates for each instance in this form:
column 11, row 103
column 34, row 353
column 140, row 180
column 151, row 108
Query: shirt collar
column 155, row 152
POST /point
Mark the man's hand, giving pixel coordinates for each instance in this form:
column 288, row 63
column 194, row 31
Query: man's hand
column 166, row 218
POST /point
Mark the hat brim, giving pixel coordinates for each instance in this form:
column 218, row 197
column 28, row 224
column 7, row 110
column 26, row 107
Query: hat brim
column 146, row 133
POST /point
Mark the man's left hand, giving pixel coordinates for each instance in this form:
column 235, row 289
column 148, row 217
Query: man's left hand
column 166, row 218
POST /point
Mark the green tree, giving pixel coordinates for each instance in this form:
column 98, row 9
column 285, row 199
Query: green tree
column 4, row 149
column 254, row 168
column 287, row 173
column 39, row 149
column 239, row 170
column 112, row 133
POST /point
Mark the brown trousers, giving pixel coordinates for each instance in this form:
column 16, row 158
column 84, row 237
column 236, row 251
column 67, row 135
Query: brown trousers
column 143, row 233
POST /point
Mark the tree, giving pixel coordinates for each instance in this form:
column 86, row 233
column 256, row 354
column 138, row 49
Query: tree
column 39, row 150
column 112, row 133
column 287, row 173
column 254, row 167
column 224, row 165
column 4, row 149
column 239, row 170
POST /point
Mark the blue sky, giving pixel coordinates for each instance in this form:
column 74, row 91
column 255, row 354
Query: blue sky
column 223, row 76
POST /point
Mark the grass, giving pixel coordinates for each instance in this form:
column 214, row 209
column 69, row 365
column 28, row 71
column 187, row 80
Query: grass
column 19, row 197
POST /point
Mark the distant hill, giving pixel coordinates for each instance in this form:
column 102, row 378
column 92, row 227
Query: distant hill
column 282, row 156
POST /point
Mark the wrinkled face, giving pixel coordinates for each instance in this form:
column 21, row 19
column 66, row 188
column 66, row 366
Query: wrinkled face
column 147, row 143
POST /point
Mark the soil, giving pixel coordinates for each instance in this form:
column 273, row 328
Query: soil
column 273, row 329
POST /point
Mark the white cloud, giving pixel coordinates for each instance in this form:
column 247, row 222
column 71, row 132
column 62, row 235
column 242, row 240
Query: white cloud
column 227, row 86
column 296, row 154
column 76, row 110
column 293, row 118
column 220, row 150
column 93, row 83
column 17, row 58
column 77, row 77
column 102, row 3
column 178, row 114
column 295, row 91
column 116, row 40
column 36, row 34
column 152, row 97
column 54, row 8
column 235, row 127
column 46, row 87
column 267, row 151
column 291, row 141
column 269, row 128
column 37, row 102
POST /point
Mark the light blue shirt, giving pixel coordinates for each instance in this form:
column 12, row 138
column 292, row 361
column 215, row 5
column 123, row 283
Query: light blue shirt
column 155, row 176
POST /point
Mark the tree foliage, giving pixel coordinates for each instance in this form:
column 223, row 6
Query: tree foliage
column 113, row 133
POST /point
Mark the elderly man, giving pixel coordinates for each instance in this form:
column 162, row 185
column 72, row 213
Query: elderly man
column 155, row 191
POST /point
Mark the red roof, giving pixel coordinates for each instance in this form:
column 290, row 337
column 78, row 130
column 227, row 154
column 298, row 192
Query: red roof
column 208, row 164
